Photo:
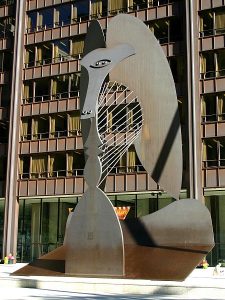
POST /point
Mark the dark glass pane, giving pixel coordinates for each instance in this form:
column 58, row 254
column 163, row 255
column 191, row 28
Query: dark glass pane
column 3, row 133
column 1, row 221
column 5, row 95
column 82, row 10
column 47, row 17
column 32, row 19
column 64, row 12
column 42, row 89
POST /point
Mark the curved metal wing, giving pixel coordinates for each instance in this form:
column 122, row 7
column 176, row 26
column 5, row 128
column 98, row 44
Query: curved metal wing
column 148, row 74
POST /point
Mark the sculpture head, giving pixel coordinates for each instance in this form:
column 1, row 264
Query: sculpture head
column 98, row 63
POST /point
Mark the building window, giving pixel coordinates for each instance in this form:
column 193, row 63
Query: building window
column 128, row 162
column 57, row 165
column 25, row 129
column 161, row 30
column 209, row 110
column 41, row 226
column 139, row 4
column 213, row 107
column 6, row 59
column 58, row 125
column 3, row 167
column 45, row 18
column 61, row 50
column 75, row 163
column 40, row 127
column 28, row 91
column 52, row 165
column 77, row 46
column 60, row 87
column 207, row 65
column 42, row 89
column 62, row 15
column 44, row 54
column 6, row 26
column 3, row 133
column 4, row 95
column 74, row 84
column 29, row 57
column 134, row 116
column 119, row 118
column 74, row 124
column 216, row 206
column 222, row 152
column 212, row 64
column 220, row 63
column 212, row 23
column 177, row 68
column 2, row 207
column 24, row 167
column 210, row 153
column 118, row 6
column 31, row 21
column 39, row 165
column 48, row 53
column 6, row 2
column 219, row 22
column 80, row 11
column 96, row 9
column 167, row 30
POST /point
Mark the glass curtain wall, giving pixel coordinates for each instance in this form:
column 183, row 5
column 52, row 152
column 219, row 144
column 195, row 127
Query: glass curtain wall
column 2, row 201
column 42, row 222
column 216, row 206
column 41, row 226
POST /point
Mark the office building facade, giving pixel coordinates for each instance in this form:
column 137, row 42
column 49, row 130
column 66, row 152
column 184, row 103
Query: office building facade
column 41, row 150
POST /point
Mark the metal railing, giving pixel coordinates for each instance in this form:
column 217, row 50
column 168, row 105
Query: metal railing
column 213, row 118
column 58, row 96
column 6, row 2
column 213, row 163
column 78, row 172
column 212, row 31
column 51, row 174
column 127, row 169
column 212, row 74
column 8, row 29
column 48, row 135
column 104, row 13
column 47, row 61
column 121, row 128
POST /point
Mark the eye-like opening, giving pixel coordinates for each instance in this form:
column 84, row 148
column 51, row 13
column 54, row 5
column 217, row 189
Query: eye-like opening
column 101, row 63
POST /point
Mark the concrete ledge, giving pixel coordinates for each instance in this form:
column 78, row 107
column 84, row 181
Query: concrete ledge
column 200, row 282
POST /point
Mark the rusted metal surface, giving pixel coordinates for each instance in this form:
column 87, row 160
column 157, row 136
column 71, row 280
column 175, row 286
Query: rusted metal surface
column 165, row 245
column 168, row 244
column 148, row 74
column 94, row 236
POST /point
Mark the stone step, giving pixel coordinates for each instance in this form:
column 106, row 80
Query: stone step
column 200, row 282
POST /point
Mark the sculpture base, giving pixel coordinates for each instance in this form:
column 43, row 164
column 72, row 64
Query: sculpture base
column 154, row 264
column 165, row 245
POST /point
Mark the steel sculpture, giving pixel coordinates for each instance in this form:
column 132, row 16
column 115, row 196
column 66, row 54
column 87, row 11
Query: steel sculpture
column 169, row 243
column 151, row 246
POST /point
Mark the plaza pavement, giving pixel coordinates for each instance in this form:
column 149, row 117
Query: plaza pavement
column 201, row 284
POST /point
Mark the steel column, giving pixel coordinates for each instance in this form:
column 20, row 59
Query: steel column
column 11, row 203
column 194, row 135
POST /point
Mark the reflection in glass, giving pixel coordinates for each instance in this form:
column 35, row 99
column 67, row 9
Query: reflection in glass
column 41, row 226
